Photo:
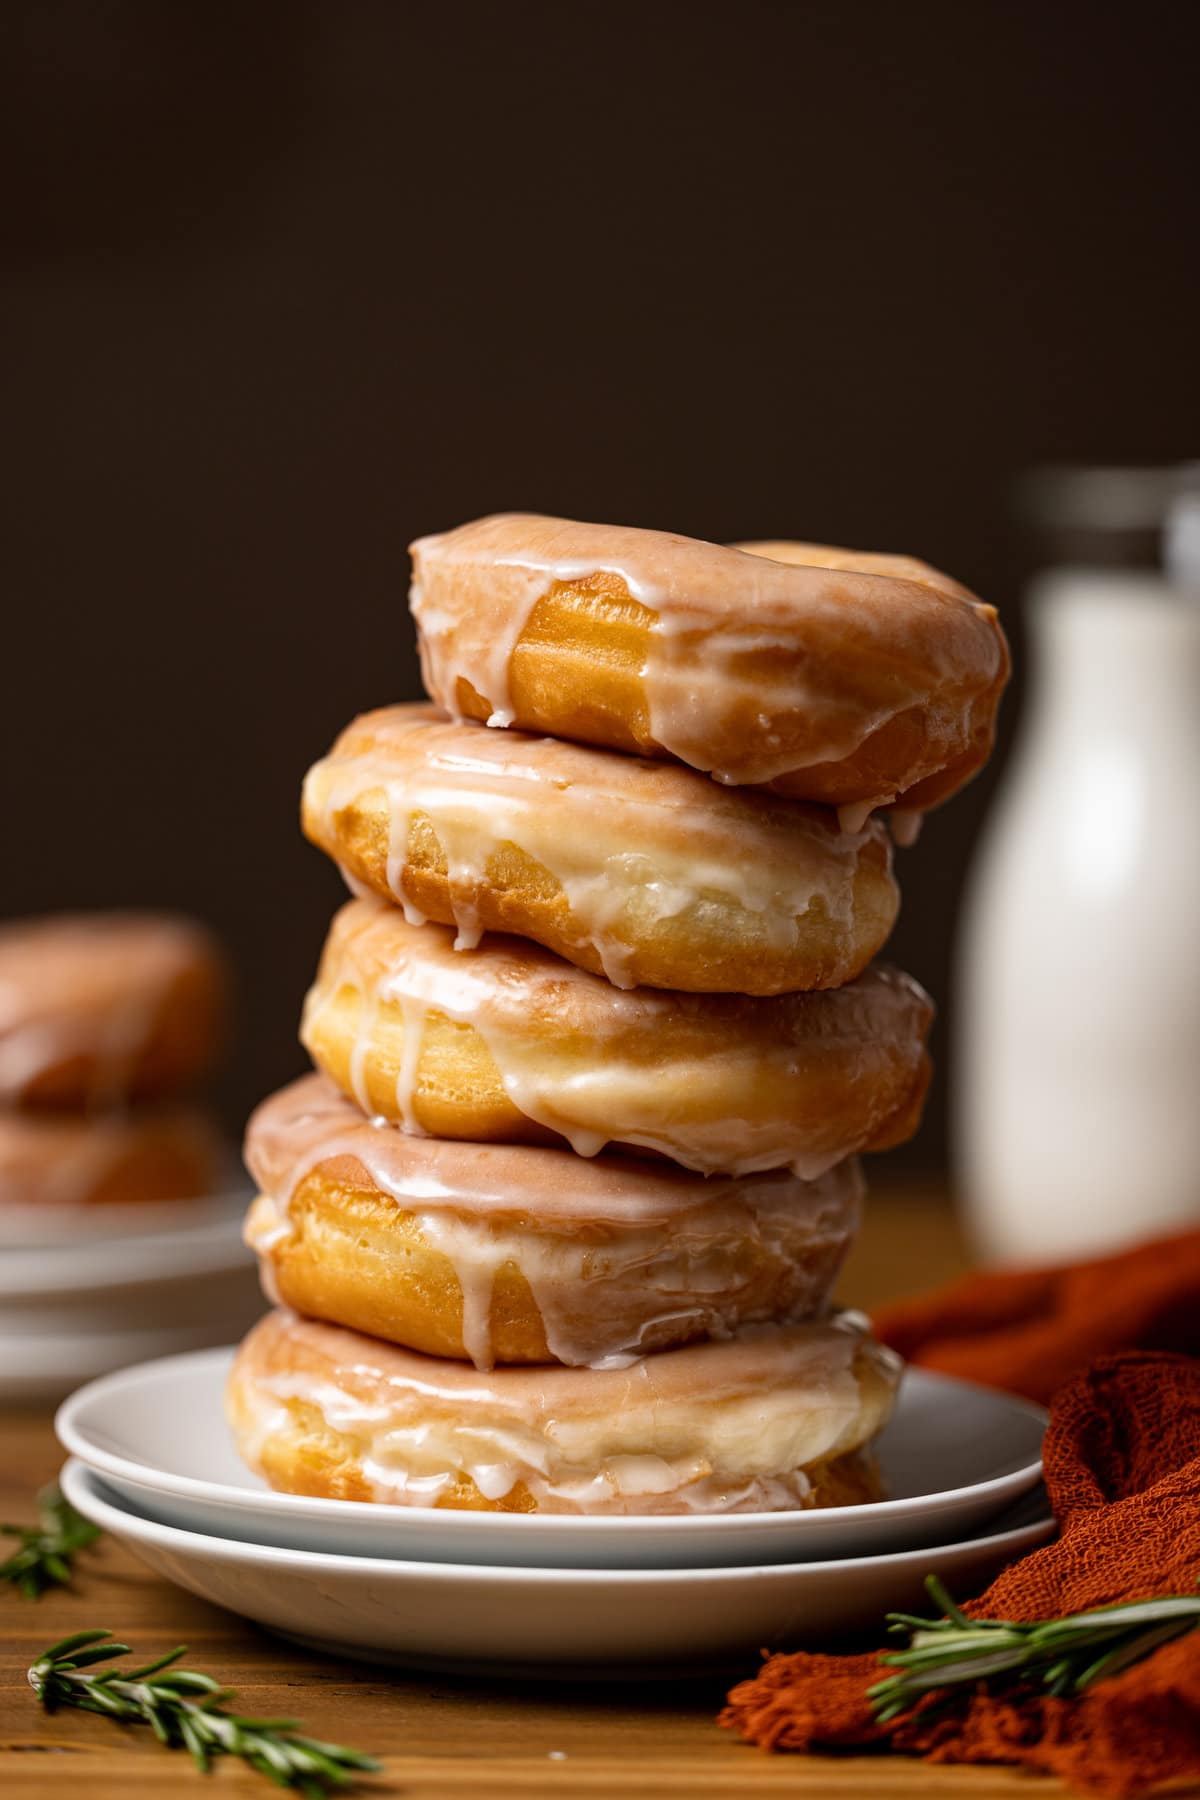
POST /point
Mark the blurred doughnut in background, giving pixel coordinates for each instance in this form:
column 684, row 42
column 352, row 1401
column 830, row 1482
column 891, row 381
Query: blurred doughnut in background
column 119, row 1197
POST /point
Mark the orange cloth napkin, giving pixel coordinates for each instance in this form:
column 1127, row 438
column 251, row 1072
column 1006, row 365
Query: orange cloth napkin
column 1029, row 1330
column 1122, row 1462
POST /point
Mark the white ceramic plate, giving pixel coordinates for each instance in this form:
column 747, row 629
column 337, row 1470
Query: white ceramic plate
column 164, row 1279
column 174, row 1237
column 509, row 1621
column 39, row 1368
column 72, row 1311
column 64, row 1228
column 954, row 1456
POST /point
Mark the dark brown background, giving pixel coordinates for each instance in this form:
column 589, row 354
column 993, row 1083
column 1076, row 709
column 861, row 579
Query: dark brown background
column 287, row 284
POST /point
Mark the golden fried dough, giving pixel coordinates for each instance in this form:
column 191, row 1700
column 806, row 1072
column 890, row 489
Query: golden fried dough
column 507, row 1043
column 771, row 1420
column 515, row 1254
column 645, row 872
column 837, row 676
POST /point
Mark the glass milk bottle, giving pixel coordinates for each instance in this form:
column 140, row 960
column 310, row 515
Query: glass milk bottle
column 1078, row 1114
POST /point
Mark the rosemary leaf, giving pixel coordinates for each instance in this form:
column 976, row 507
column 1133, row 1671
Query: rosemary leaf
column 188, row 1710
column 1061, row 1656
column 1129, row 1652
column 46, row 1550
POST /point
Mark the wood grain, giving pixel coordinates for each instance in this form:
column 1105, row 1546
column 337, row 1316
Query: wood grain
column 442, row 1739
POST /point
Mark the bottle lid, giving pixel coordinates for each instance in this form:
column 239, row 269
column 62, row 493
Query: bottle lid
column 1100, row 517
column 1181, row 536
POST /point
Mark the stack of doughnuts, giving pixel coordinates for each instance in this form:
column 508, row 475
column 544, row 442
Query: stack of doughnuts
column 599, row 1037
column 108, row 1021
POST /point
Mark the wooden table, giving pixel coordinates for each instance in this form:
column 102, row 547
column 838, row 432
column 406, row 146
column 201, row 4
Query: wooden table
column 441, row 1739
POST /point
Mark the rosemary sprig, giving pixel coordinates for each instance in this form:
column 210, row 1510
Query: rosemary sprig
column 47, row 1548
column 187, row 1710
column 1065, row 1656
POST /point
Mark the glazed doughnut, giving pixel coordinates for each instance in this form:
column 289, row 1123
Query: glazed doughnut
column 645, row 872
column 508, row 1043
column 100, row 1008
column 771, row 1420
column 832, row 675
column 511, row 1254
column 57, row 1159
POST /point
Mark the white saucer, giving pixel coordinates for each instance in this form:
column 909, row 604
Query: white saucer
column 75, row 1309
column 38, row 1369
column 954, row 1456
column 473, row 1618
column 65, row 1228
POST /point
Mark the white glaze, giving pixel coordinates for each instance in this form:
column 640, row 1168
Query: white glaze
column 728, row 1427
column 596, row 1065
column 629, row 841
column 905, row 823
column 762, row 661
column 854, row 817
column 610, row 1249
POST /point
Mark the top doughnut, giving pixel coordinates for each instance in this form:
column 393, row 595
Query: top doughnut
column 102, row 1008
column 831, row 675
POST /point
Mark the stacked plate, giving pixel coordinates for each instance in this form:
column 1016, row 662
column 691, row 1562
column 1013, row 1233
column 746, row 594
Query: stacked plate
column 88, row 1289
column 152, row 1463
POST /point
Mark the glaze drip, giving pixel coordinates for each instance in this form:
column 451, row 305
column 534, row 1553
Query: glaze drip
column 732, row 1426
column 762, row 661
column 629, row 842
column 611, row 1249
column 718, row 1083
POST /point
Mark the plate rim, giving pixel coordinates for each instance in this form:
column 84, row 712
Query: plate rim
column 212, row 1246
column 300, row 1506
column 234, row 1551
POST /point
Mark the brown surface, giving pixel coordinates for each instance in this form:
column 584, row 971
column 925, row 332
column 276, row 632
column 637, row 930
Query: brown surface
column 442, row 1738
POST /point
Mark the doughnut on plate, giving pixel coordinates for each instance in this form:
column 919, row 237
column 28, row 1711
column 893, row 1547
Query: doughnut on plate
column 79, row 1297
column 775, row 1418
column 509, row 1044
column 58, row 1162
column 100, row 1008
column 840, row 676
column 953, row 1457
column 499, row 1253
column 645, row 872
